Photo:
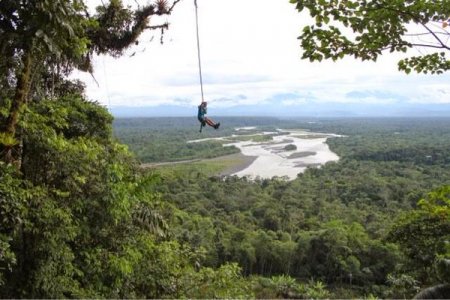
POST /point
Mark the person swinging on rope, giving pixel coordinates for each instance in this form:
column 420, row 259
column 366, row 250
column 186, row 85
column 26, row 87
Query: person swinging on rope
column 203, row 119
column 202, row 107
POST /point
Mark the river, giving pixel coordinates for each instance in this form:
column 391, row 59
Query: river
column 288, row 154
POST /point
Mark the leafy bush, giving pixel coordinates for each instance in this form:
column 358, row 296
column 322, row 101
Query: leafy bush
column 290, row 147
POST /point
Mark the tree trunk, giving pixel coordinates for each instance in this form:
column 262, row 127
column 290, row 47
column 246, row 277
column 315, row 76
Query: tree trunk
column 19, row 100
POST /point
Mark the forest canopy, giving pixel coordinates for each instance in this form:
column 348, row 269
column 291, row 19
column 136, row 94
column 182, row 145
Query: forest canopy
column 41, row 42
column 365, row 29
column 81, row 218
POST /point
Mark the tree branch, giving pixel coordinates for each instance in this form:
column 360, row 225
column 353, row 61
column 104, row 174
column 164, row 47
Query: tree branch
column 430, row 46
column 436, row 37
column 427, row 33
column 162, row 26
column 414, row 45
column 169, row 11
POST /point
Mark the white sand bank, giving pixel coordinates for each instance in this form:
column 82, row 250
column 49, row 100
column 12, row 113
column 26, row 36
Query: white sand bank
column 273, row 160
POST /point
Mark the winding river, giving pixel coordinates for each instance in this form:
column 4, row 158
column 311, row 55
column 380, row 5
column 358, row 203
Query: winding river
column 289, row 153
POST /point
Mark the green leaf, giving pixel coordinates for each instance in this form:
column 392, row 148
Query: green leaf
column 7, row 139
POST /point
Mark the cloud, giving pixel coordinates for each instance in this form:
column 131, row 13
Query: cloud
column 291, row 98
column 437, row 93
column 192, row 79
column 376, row 96
column 231, row 101
column 249, row 60
column 182, row 102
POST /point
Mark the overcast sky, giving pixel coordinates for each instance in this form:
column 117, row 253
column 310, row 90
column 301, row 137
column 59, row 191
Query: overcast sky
column 250, row 55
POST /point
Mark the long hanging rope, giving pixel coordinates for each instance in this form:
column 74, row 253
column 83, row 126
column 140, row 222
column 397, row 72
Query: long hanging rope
column 198, row 50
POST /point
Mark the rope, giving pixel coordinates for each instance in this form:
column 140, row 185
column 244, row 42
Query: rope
column 198, row 51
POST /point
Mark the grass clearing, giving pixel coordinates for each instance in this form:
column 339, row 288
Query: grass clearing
column 301, row 154
column 312, row 136
column 254, row 138
column 224, row 165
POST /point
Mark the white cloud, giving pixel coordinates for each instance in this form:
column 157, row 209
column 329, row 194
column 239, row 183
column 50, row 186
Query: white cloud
column 248, row 48
column 438, row 93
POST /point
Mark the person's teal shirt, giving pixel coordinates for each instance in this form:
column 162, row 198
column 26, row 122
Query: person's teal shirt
column 201, row 113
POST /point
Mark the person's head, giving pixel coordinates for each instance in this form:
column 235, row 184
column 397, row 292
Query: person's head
column 204, row 104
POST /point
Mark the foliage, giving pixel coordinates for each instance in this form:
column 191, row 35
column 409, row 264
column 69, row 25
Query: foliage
column 403, row 286
column 442, row 266
column 424, row 234
column 364, row 29
column 283, row 284
column 12, row 215
column 79, row 220
column 165, row 139
column 41, row 42
column 286, row 287
column 225, row 282
column 329, row 224
column 440, row 291
column 290, row 147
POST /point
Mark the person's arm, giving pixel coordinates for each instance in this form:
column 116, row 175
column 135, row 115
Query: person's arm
column 202, row 108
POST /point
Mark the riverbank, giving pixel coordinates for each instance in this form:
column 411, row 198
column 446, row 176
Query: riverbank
column 221, row 166
column 283, row 153
column 238, row 162
column 286, row 155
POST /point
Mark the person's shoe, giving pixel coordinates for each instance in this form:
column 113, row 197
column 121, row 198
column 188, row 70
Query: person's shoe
column 217, row 126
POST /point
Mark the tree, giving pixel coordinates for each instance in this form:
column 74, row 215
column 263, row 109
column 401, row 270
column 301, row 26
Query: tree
column 48, row 39
column 364, row 29
column 423, row 235
column 80, row 221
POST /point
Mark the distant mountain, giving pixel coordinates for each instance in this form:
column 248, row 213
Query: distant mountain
column 330, row 109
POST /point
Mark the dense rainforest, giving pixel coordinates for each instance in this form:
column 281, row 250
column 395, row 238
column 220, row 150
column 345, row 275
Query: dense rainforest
column 77, row 217
column 374, row 223
column 81, row 218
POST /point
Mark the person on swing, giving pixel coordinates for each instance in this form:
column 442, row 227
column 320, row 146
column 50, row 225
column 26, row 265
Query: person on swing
column 203, row 119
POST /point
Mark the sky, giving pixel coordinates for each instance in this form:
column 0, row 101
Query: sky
column 251, row 63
